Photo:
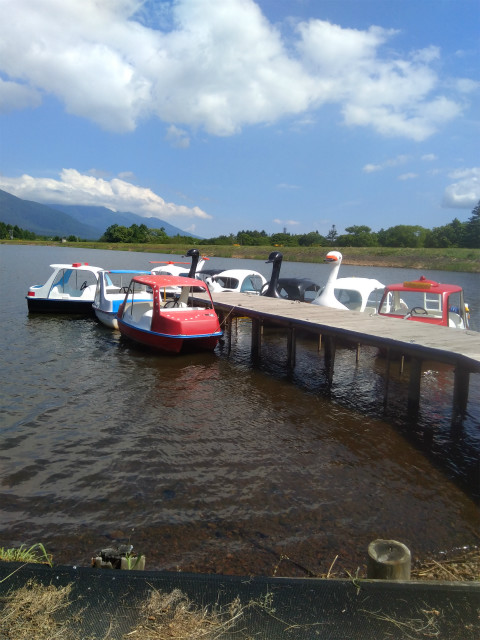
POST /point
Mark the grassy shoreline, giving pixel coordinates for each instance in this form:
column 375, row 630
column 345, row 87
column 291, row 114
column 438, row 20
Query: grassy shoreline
column 451, row 259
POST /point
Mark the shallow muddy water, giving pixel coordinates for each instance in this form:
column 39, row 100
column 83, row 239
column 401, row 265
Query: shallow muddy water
column 209, row 462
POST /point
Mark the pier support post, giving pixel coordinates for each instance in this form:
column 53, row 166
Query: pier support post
column 388, row 560
column 291, row 348
column 256, row 337
column 330, row 348
column 460, row 393
column 387, row 380
column 414, row 388
column 228, row 326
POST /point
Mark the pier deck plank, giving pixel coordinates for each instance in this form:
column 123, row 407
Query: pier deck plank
column 410, row 338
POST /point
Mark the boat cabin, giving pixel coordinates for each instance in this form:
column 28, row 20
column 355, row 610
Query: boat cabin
column 69, row 289
column 426, row 301
column 237, row 280
column 301, row 289
column 171, row 318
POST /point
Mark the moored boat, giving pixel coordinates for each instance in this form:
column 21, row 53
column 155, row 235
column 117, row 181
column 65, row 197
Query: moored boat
column 300, row 289
column 172, row 268
column 110, row 293
column 426, row 301
column 69, row 289
column 351, row 293
column 169, row 323
column 236, row 281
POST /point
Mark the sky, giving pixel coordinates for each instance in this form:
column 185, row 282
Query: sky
column 225, row 115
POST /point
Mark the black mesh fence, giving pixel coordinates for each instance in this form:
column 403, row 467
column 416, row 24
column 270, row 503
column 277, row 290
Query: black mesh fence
column 107, row 604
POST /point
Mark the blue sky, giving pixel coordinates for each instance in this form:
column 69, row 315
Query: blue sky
column 224, row 115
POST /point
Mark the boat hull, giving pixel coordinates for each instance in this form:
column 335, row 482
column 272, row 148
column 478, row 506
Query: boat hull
column 169, row 343
column 108, row 318
column 49, row 305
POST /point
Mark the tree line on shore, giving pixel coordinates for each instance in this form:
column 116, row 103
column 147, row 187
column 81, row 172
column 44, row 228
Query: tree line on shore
column 454, row 234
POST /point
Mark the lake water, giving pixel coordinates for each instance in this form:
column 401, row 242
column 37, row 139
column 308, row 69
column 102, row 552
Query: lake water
column 207, row 463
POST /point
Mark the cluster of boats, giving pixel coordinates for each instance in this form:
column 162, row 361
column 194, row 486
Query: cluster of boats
column 159, row 307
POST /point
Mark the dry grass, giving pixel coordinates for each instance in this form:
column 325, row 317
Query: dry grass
column 463, row 567
column 35, row 611
column 172, row 615
column 31, row 612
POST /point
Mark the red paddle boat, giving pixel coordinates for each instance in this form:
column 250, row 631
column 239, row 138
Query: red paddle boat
column 426, row 301
column 169, row 322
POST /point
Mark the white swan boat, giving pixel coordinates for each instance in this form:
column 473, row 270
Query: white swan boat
column 70, row 289
column 110, row 293
column 352, row 293
column 237, row 281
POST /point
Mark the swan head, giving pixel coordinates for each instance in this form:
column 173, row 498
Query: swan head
column 192, row 252
column 333, row 257
column 275, row 256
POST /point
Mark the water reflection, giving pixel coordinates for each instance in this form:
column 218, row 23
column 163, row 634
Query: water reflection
column 207, row 463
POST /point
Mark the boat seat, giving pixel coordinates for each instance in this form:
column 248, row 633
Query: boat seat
column 455, row 320
column 168, row 305
column 88, row 292
column 145, row 321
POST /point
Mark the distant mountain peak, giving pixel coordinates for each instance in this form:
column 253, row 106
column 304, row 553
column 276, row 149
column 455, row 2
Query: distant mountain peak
column 83, row 221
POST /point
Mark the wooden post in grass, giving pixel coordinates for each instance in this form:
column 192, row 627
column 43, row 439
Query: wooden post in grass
column 388, row 560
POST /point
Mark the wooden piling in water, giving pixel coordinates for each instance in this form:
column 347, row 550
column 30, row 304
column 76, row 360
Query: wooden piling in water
column 415, row 341
column 388, row 560
column 413, row 404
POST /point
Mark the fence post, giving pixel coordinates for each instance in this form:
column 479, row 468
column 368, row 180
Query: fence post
column 388, row 560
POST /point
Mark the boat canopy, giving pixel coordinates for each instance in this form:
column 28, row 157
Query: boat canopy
column 162, row 281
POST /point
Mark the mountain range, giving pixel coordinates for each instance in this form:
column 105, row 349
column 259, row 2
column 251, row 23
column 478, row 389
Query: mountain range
column 86, row 222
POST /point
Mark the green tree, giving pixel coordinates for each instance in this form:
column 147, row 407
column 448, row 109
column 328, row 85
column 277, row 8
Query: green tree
column 450, row 235
column 358, row 236
column 220, row 240
column 4, row 232
column 139, row 233
column 471, row 230
column 284, row 240
column 311, row 239
column 402, row 235
column 332, row 236
column 116, row 233
column 252, row 238
column 158, row 235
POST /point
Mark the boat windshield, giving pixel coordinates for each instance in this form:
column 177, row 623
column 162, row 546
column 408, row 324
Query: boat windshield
column 350, row 298
column 68, row 280
column 400, row 303
column 226, row 283
column 252, row 283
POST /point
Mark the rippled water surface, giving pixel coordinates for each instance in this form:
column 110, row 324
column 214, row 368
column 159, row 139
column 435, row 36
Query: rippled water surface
column 206, row 462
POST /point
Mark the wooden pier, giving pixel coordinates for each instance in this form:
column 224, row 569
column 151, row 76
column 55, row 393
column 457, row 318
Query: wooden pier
column 417, row 341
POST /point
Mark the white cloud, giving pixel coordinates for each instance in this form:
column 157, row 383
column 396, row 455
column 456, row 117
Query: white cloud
column 285, row 185
column 214, row 65
column 465, row 192
column 14, row 95
column 286, row 222
column 390, row 162
column 178, row 137
column 408, row 176
column 116, row 194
